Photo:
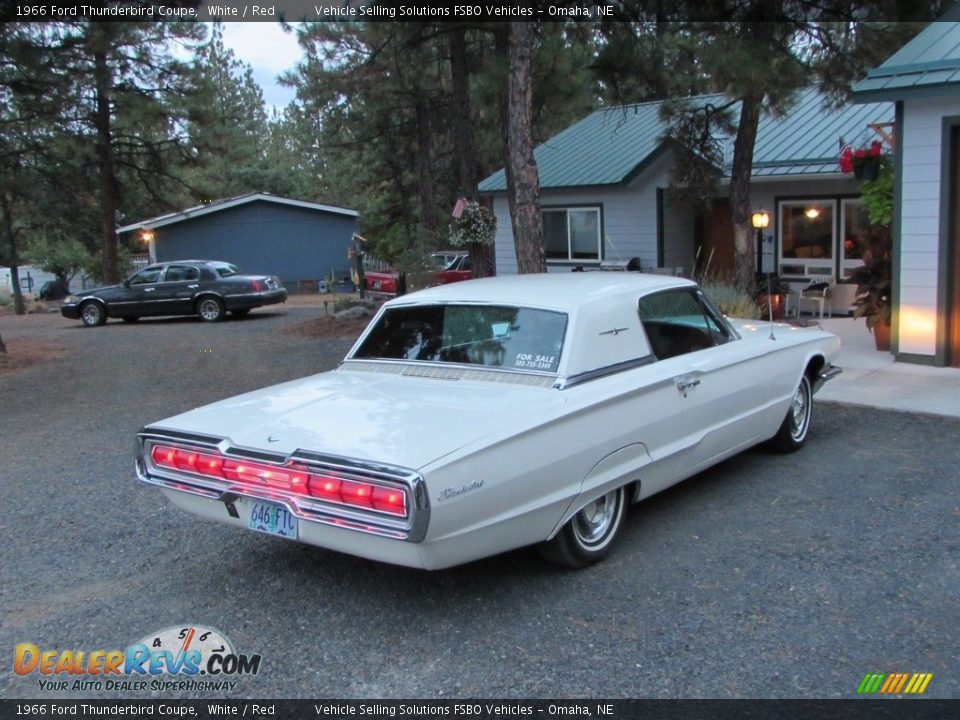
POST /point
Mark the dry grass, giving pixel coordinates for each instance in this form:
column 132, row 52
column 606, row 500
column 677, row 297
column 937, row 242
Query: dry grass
column 24, row 354
column 328, row 328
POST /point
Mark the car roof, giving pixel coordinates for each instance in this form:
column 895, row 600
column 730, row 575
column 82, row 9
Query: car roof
column 560, row 291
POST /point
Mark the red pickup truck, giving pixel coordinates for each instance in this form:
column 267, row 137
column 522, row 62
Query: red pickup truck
column 443, row 268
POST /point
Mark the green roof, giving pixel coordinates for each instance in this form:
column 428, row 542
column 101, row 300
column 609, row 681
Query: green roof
column 928, row 64
column 612, row 145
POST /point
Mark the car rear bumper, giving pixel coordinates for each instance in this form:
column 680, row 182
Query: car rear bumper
column 256, row 299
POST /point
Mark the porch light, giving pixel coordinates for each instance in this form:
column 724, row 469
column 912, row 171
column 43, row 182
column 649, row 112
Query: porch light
column 760, row 219
column 147, row 236
column 812, row 213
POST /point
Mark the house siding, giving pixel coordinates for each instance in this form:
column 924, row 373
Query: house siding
column 296, row 244
column 629, row 222
column 920, row 223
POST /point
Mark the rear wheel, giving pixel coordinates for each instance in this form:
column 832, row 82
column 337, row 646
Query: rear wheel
column 93, row 314
column 795, row 426
column 211, row 309
column 588, row 536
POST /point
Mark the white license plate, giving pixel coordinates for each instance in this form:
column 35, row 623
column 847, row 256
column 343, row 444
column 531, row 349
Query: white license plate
column 376, row 284
column 273, row 519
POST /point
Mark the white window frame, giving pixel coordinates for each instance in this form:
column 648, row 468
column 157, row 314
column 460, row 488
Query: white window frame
column 598, row 209
column 843, row 264
column 812, row 267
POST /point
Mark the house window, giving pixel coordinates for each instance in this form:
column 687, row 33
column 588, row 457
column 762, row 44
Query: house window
column 854, row 228
column 572, row 234
column 807, row 239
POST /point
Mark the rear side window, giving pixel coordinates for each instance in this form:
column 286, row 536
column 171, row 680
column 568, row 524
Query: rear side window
column 225, row 269
column 492, row 336
column 181, row 273
column 677, row 322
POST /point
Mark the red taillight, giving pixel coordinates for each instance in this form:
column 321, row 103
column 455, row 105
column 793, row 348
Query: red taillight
column 164, row 456
column 210, row 465
column 259, row 285
column 292, row 478
column 356, row 493
column 186, row 460
column 390, row 500
column 326, row 488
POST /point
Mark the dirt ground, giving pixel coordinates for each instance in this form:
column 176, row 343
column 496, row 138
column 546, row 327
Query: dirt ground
column 32, row 339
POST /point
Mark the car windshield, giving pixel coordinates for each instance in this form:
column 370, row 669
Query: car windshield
column 493, row 336
column 225, row 269
column 441, row 261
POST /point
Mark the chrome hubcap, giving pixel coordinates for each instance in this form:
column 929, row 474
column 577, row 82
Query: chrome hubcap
column 799, row 412
column 209, row 309
column 91, row 313
column 595, row 520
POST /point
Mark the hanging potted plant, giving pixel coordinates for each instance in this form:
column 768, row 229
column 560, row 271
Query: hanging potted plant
column 863, row 162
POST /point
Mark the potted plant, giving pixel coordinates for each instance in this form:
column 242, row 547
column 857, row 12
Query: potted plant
column 864, row 162
column 771, row 295
column 874, row 279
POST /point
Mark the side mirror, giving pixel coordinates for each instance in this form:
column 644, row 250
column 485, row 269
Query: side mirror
column 126, row 283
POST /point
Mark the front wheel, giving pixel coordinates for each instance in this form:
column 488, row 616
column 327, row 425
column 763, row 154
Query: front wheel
column 588, row 536
column 795, row 426
column 211, row 309
column 93, row 314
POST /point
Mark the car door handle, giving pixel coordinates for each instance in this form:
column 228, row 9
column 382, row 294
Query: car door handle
column 685, row 384
column 149, row 289
column 193, row 287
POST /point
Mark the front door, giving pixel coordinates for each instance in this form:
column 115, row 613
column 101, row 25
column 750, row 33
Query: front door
column 716, row 257
column 138, row 297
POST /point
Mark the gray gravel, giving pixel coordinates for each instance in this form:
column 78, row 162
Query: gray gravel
column 768, row 576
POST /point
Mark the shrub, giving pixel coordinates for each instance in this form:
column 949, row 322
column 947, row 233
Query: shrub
column 731, row 301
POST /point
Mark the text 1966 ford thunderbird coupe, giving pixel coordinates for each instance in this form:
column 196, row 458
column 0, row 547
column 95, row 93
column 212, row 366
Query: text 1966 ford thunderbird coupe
column 474, row 418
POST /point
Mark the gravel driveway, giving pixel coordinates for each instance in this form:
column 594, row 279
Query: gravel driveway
column 769, row 576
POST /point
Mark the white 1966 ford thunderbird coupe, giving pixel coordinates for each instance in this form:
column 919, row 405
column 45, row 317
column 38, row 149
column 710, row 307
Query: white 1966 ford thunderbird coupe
column 473, row 418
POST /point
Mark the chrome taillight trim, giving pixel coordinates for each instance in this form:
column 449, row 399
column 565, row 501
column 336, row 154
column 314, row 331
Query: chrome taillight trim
column 412, row 528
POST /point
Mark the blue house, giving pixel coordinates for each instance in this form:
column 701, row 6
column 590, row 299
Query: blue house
column 300, row 242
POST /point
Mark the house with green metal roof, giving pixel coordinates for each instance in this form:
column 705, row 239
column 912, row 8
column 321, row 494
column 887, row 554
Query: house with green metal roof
column 922, row 80
column 603, row 188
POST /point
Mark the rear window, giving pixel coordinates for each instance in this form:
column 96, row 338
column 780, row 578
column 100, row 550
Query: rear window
column 492, row 336
column 225, row 269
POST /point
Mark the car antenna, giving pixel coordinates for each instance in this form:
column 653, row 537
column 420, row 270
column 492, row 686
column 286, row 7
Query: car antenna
column 770, row 308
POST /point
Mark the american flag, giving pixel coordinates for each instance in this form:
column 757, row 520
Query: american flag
column 459, row 206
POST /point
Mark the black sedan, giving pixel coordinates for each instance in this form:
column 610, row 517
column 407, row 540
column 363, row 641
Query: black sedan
column 208, row 288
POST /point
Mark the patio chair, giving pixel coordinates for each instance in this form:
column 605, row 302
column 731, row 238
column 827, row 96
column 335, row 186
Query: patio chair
column 816, row 294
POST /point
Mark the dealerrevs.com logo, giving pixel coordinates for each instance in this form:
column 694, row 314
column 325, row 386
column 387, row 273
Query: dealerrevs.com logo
column 189, row 657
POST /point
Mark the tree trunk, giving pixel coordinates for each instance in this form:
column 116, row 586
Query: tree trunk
column 6, row 207
column 463, row 137
column 109, row 200
column 526, row 218
column 740, row 210
column 428, row 214
column 3, row 348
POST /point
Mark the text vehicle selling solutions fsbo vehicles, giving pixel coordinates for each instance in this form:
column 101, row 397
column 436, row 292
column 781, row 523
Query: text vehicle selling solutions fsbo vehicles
column 474, row 418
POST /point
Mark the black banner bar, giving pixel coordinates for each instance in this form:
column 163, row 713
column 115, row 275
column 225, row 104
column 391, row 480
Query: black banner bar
column 892, row 709
column 304, row 10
